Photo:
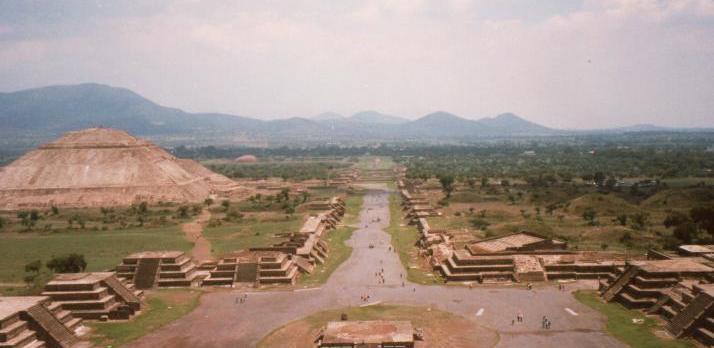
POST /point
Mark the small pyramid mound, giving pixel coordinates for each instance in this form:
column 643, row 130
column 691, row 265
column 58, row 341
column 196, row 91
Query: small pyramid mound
column 104, row 167
column 247, row 159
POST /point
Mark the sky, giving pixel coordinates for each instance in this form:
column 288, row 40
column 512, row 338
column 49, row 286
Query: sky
column 561, row 63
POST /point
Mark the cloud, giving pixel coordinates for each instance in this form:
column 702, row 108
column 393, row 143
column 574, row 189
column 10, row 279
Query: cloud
column 598, row 64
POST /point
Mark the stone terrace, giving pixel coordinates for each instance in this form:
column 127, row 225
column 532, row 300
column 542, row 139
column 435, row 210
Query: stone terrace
column 98, row 295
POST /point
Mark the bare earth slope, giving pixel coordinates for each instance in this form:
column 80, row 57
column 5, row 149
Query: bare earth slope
column 103, row 167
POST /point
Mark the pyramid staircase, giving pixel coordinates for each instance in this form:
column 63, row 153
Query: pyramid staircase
column 151, row 269
column 224, row 273
column 15, row 332
column 35, row 323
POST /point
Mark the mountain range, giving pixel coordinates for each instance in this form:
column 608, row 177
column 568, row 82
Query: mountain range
column 50, row 111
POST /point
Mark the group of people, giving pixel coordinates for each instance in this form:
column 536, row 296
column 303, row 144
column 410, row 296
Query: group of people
column 545, row 323
column 380, row 276
column 364, row 297
column 519, row 318
column 241, row 299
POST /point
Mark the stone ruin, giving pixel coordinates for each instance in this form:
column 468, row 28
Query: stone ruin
column 104, row 167
column 678, row 288
column 369, row 333
column 281, row 262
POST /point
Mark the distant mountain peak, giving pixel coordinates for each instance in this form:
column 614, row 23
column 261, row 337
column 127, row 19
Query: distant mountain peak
column 371, row 116
column 328, row 116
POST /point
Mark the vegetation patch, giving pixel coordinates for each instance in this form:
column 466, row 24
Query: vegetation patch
column 163, row 307
column 404, row 239
column 102, row 250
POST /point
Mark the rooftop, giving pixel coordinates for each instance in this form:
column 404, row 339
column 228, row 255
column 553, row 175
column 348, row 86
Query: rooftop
column 697, row 249
column 504, row 243
column 80, row 278
column 13, row 304
column 673, row 265
column 163, row 254
column 375, row 331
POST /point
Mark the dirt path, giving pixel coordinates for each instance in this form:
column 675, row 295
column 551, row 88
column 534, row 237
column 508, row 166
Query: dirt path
column 220, row 321
column 194, row 233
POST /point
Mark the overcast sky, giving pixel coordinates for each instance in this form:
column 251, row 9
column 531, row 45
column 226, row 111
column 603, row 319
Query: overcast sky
column 560, row 63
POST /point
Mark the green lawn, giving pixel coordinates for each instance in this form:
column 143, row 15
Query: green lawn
column 339, row 252
column 620, row 325
column 251, row 232
column 404, row 239
column 164, row 307
column 102, row 249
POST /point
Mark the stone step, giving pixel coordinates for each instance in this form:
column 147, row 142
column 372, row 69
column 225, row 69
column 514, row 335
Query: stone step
column 13, row 330
column 36, row 344
column 73, row 323
column 217, row 281
column 20, row 340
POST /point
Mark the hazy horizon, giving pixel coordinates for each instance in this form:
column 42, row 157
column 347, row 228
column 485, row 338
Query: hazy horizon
column 562, row 64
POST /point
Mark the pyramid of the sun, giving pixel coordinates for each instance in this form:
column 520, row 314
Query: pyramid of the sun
column 104, row 167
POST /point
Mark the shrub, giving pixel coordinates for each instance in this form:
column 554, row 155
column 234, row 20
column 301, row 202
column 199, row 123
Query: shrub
column 71, row 263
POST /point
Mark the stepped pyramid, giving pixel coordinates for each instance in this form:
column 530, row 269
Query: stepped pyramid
column 104, row 167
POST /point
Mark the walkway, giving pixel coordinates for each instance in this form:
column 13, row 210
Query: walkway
column 219, row 322
column 194, row 233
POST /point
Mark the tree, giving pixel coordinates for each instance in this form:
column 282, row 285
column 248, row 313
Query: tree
column 599, row 178
column 686, row 231
column 182, row 211
column 703, row 216
column 471, row 182
column 622, row 219
column 28, row 219
column 208, row 201
column 226, row 204
column 590, row 215
column 54, row 210
column 484, row 181
column 71, row 263
column 32, row 270
column 639, row 220
column 447, row 184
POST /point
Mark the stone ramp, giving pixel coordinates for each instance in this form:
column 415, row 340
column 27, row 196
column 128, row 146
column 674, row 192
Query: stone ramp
column 303, row 264
column 123, row 292
column 54, row 328
column 689, row 314
column 146, row 272
column 619, row 284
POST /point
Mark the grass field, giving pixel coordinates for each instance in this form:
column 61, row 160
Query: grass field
column 258, row 230
column 101, row 249
column 339, row 252
column 620, row 324
column 404, row 239
column 164, row 307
